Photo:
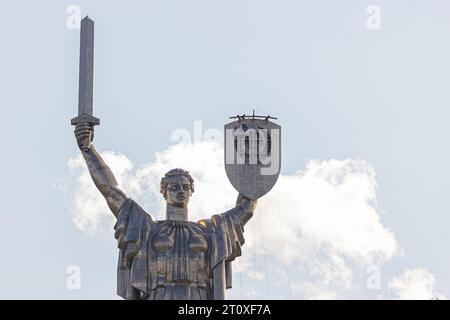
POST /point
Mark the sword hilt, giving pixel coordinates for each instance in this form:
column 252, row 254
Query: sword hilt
column 89, row 119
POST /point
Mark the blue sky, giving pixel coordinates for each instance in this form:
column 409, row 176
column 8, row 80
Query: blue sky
column 340, row 90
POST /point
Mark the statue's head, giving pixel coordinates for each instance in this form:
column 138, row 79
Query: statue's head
column 177, row 186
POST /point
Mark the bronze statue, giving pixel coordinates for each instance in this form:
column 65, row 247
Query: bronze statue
column 176, row 258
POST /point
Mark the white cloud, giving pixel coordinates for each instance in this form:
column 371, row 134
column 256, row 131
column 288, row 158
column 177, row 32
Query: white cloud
column 317, row 292
column 321, row 223
column 415, row 284
column 256, row 275
column 330, row 205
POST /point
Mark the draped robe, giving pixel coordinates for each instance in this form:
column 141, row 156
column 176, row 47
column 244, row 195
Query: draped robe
column 176, row 259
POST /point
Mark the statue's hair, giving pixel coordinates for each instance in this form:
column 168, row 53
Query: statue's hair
column 172, row 173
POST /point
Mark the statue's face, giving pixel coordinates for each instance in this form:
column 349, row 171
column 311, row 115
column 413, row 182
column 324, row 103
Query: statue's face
column 178, row 191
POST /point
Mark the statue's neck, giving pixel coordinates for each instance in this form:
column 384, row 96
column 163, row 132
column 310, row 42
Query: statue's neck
column 176, row 213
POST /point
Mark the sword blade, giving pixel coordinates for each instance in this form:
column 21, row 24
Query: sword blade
column 86, row 80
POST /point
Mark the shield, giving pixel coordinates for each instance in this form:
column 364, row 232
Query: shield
column 252, row 155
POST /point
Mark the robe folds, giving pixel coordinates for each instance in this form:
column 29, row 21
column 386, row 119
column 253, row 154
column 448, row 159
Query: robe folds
column 175, row 259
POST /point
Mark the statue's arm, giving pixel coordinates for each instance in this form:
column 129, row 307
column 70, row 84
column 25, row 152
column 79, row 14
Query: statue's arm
column 100, row 173
column 245, row 208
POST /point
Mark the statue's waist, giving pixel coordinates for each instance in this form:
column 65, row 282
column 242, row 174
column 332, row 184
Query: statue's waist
column 179, row 270
column 180, row 291
column 189, row 279
column 200, row 285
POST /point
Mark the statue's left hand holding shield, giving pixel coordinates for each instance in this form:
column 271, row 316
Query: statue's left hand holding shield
column 100, row 173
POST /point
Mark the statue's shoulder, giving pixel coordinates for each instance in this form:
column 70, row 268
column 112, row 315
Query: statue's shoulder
column 132, row 209
column 211, row 224
column 204, row 224
column 159, row 223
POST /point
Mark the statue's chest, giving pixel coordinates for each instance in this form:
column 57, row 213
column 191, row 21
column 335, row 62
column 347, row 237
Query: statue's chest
column 179, row 238
column 179, row 253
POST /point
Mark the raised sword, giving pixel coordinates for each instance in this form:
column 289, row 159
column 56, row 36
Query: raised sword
column 86, row 78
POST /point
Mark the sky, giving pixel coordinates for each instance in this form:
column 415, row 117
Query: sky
column 360, row 210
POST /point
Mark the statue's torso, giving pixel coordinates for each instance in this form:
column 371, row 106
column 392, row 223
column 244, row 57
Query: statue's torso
column 179, row 261
column 176, row 260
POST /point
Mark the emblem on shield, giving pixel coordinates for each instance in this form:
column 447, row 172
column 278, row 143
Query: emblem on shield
column 252, row 154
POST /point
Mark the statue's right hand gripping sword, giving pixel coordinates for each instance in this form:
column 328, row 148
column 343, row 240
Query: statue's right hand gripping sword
column 86, row 80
